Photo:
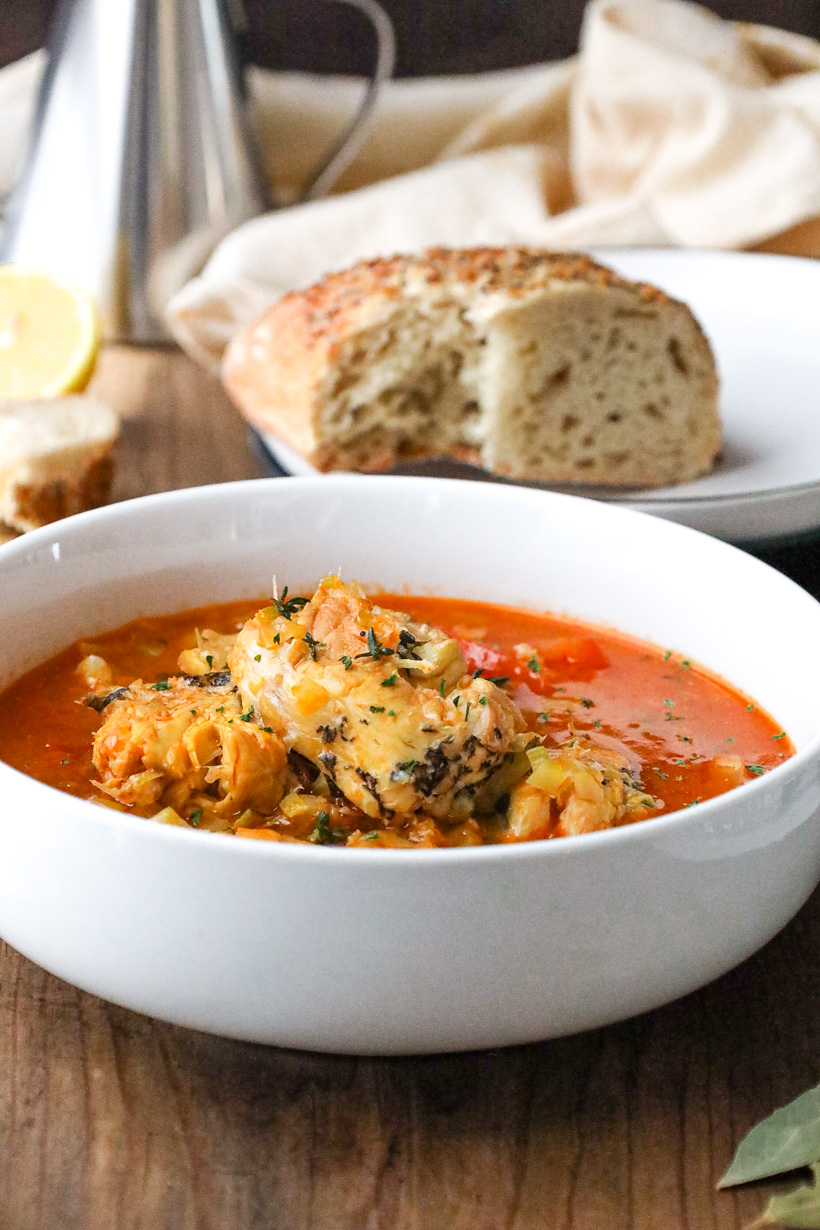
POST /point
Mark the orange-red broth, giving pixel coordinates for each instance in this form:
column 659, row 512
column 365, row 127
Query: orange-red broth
column 675, row 716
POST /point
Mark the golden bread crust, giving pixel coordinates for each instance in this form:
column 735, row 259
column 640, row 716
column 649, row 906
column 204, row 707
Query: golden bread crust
column 277, row 369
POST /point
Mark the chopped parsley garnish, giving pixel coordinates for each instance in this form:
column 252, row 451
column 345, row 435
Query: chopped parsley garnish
column 596, row 723
column 403, row 771
column 346, row 661
column 755, row 768
column 323, row 834
column 390, row 681
column 267, row 729
column 456, row 699
column 478, row 672
column 667, row 655
column 482, row 700
column 209, row 658
column 257, row 657
column 499, row 680
column 586, row 702
column 246, row 717
column 162, row 686
column 685, row 664
column 533, row 665
column 666, row 701
column 684, row 739
column 391, row 712
column 287, row 607
column 749, row 708
column 276, row 639
column 377, row 708
column 680, row 762
column 192, row 712
column 195, row 815
column 694, row 801
column 665, row 776
column 442, row 687
column 782, row 735
column 221, row 709
column 542, row 717
column 730, row 738
column 312, row 644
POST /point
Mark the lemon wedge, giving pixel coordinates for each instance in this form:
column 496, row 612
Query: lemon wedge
column 49, row 335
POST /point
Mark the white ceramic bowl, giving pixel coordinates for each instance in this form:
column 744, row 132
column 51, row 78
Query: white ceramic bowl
column 370, row 951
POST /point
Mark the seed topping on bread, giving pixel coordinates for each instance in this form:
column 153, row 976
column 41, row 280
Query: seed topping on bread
column 536, row 365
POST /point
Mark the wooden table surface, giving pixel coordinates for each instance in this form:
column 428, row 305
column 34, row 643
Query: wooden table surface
column 112, row 1121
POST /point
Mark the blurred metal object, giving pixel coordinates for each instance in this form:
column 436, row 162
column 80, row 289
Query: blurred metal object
column 352, row 138
column 142, row 154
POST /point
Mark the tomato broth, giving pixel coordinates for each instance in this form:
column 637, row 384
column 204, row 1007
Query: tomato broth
column 689, row 734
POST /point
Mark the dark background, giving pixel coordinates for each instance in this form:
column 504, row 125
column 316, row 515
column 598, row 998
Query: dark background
column 434, row 36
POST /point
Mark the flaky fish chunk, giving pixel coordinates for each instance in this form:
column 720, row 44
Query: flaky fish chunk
column 581, row 787
column 209, row 654
column 175, row 741
column 381, row 704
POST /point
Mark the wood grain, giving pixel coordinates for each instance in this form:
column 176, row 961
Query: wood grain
column 179, row 428
column 112, row 1121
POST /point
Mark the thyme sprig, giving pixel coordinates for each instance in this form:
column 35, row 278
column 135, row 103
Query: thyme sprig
column 408, row 645
column 312, row 644
column 287, row 607
column 374, row 649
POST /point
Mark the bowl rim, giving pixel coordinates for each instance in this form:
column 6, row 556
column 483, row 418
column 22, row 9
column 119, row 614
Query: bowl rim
column 126, row 823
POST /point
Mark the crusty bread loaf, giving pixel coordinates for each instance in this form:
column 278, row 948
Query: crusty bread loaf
column 536, row 365
column 55, row 459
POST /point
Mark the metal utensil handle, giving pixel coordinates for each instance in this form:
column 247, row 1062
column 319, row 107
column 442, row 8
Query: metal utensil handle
column 351, row 140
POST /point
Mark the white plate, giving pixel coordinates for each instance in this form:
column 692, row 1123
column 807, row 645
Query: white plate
column 762, row 316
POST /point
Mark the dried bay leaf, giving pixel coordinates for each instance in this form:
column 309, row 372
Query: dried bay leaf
column 799, row 1209
column 787, row 1140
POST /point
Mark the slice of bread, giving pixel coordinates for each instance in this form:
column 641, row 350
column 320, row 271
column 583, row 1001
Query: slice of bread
column 536, row 365
column 55, row 459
